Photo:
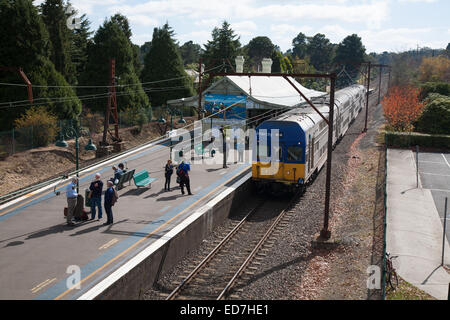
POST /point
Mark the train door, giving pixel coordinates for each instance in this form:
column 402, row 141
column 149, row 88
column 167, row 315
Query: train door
column 312, row 151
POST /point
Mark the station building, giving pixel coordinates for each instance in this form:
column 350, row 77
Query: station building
column 253, row 98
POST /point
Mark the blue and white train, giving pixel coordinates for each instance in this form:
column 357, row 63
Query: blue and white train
column 303, row 138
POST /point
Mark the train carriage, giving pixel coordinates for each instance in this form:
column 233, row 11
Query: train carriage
column 302, row 137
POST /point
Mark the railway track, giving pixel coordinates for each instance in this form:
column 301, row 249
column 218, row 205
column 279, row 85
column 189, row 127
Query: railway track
column 235, row 255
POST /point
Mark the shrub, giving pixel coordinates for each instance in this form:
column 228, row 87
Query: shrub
column 42, row 125
column 434, row 87
column 402, row 107
column 436, row 116
column 402, row 139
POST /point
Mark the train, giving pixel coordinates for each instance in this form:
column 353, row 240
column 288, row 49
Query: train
column 302, row 141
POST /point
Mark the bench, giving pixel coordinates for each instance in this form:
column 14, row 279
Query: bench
column 125, row 177
column 141, row 179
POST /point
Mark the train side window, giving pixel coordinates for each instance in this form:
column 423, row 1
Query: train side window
column 294, row 153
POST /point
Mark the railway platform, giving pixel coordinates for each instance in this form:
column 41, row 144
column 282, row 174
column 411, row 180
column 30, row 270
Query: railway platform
column 43, row 258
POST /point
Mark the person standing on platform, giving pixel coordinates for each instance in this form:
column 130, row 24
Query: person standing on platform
column 109, row 195
column 183, row 172
column 72, row 195
column 168, row 174
column 95, row 195
column 241, row 148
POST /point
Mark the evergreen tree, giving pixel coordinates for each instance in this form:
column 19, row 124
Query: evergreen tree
column 224, row 45
column 80, row 42
column 26, row 44
column 350, row 53
column 190, row 52
column 277, row 62
column 299, row 44
column 163, row 61
column 110, row 41
column 55, row 18
column 320, row 52
column 258, row 49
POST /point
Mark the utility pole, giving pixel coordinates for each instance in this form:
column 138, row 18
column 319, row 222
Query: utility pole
column 379, row 84
column 325, row 233
column 24, row 78
column 200, row 73
column 367, row 100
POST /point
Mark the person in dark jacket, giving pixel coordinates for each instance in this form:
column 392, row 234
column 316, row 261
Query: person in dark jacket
column 109, row 193
column 95, row 195
column 182, row 172
column 168, row 174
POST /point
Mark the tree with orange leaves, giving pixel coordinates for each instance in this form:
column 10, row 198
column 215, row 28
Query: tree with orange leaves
column 402, row 107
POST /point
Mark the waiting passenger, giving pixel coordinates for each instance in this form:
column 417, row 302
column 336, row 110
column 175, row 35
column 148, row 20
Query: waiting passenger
column 182, row 171
column 95, row 195
column 117, row 173
column 122, row 167
column 109, row 202
column 168, row 174
column 72, row 195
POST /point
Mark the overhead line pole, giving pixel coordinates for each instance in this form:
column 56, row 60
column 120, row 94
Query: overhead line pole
column 379, row 84
column 367, row 95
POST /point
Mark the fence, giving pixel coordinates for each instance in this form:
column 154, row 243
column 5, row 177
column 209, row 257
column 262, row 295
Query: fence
column 22, row 139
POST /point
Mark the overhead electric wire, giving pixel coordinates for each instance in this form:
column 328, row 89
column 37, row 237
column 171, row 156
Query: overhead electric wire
column 96, row 86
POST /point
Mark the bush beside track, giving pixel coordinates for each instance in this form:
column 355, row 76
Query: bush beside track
column 410, row 139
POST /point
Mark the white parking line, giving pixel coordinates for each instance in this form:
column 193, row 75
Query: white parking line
column 442, row 190
column 431, row 162
column 445, row 159
column 436, row 174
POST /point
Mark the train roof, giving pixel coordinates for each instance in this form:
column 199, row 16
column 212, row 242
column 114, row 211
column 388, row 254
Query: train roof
column 307, row 117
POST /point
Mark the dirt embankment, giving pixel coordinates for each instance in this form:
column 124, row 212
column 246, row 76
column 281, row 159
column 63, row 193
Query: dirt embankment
column 36, row 165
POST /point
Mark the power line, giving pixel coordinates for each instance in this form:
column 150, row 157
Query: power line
column 97, row 86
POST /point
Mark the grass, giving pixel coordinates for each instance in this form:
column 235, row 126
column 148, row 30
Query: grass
column 406, row 291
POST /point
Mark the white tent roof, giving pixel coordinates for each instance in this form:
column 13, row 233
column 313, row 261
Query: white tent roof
column 273, row 90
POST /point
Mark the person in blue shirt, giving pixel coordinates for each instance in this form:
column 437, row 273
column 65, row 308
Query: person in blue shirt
column 183, row 172
column 117, row 173
column 72, row 195
column 95, row 195
column 109, row 193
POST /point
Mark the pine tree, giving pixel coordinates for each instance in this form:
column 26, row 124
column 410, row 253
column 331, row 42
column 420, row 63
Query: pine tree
column 110, row 41
column 163, row 61
column 350, row 53
column 258, row 49
column 320, row 52
column 55, row 18
column 224, row 45
column 26, row 44
column 80, row 42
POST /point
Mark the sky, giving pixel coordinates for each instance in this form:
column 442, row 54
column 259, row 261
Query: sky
column 383, row 25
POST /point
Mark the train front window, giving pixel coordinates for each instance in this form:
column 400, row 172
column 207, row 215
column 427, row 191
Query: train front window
column 294, row 153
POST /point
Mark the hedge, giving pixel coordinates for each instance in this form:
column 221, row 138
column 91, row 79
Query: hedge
column 434, row 87
column 402, row 139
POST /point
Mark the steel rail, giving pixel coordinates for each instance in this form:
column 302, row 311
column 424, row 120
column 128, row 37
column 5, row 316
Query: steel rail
column 258, row 247
column 186, row 280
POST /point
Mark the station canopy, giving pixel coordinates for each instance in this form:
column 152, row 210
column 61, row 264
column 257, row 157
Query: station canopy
column 262, row 92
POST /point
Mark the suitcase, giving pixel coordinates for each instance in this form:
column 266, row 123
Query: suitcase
column 79, row 213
